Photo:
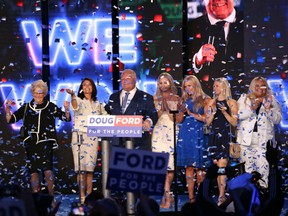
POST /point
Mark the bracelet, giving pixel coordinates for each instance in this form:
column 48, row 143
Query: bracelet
column 8, row 114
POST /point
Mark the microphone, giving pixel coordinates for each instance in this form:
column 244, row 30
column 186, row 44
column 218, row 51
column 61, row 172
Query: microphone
column 174, row 111
column 81, row 138
column 76, row 131
column 210, row 41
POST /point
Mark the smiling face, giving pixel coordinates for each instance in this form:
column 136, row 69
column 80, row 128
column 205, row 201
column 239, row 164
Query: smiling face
column 260, row 89
column 217, row 88
column 128, row 80
column 87, row 87
column 189, row 87
column 220, row 9
column 38, row 95
column 164, row 84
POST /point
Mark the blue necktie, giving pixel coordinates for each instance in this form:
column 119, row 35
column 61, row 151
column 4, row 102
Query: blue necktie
column 124, row 102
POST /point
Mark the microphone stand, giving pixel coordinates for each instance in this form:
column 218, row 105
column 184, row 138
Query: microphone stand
column 80, row 138
column 79, row 143
column 174, row 112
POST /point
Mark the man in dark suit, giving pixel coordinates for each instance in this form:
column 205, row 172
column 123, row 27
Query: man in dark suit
column 216, row 41
column 132, row 101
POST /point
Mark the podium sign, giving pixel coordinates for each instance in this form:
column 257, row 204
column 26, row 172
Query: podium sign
column 114, row 126
column 137, row 170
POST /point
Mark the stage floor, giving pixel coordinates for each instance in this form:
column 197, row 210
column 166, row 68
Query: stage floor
column 68, row 199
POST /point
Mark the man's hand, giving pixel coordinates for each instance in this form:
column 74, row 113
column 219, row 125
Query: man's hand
column 147, row 125
column 206, row 54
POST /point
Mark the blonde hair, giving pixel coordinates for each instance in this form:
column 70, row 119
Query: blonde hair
column 198, row 96
column 39, row 84
column 171, row 82
column 224, row 84
column 252, row 85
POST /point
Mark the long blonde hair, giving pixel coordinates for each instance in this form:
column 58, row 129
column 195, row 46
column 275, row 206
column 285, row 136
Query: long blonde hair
column 225, row 84
column 171, row 82
column 198, row 96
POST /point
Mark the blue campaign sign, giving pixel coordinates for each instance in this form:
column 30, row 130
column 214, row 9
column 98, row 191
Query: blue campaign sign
column 11, row 206
column 134, row 170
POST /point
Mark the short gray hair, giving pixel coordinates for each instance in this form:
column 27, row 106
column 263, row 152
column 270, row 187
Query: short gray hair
column 39, row 84
column 131, row 72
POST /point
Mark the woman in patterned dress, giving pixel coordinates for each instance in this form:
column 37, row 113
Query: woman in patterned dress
column 166, row 100
column 84, row 104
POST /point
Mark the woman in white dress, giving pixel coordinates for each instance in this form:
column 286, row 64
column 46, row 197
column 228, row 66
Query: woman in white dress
column 166, row 100
column 84, row 104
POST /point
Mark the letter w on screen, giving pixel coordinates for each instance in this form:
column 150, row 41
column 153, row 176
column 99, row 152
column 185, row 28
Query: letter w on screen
column 114, row 126
column 134, row 170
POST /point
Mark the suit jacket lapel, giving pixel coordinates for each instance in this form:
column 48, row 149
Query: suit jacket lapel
column 134, row 102
column 117, row 102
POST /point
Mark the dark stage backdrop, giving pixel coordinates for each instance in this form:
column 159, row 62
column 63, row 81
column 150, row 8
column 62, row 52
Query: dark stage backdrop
column 150, row 42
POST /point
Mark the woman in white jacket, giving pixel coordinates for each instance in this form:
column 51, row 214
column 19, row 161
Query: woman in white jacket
column 259, row 112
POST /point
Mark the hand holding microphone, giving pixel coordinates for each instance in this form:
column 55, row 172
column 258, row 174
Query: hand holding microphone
column 207, row 53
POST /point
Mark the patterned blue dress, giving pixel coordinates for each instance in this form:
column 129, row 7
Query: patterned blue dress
column 192, row 143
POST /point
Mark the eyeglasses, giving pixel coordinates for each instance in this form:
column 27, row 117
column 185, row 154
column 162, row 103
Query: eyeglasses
column 261, row 86
column 38, row 93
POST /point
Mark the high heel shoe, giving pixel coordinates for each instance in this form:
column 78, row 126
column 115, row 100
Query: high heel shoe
column 82, row 200
column 166, row 202
column 221, row 200
column 192, row 200
column 163, row 201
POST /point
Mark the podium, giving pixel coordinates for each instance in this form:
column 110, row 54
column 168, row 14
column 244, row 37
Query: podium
column 105, row 146
column 105, row 149
column 111, row 126
column 79, row 143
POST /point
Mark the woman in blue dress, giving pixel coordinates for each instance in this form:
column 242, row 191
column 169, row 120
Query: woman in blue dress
column 192, row 141
column 222, row 116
